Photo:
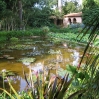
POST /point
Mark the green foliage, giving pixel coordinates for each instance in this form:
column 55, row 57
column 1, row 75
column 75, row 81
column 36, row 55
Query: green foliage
column 45, row 29
column 84, row 82
column 5, row 73
column 90, row 4
column 52, row 88
column 57, row 13
column 58, row 30
column 2, row 8
column 19, row 34
column 54, row 52
column 71, row 7
column 90, row 10
column 3, row 38
column 28, row 60
column 92, row 62
column 57, row 34
column 49, row 89
column 71, row 36
column 20, row 47
column 35, row 14
column 14, row 39
column 88, row 15
column 96, row 42
column 39, row 17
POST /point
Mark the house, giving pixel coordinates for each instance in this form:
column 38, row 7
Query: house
column 72, row 18
column 56, row 20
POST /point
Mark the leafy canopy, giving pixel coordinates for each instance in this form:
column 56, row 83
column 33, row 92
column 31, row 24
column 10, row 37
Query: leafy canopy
column 71, row 6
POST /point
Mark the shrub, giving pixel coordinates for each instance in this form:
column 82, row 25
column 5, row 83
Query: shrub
column 45, row 29
column 14, row 39
column 2, row 38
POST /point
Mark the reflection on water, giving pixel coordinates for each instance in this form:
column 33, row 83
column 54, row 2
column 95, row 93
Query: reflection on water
column 38, row 67
column 57, row 59
column 76, row 58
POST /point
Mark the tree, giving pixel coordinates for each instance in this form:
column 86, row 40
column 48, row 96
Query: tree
column 14, row 10
column 71, row 6
column 90, row 10
column 20, row 13
column 89, row 4
column 39, row 17
column 2, row 8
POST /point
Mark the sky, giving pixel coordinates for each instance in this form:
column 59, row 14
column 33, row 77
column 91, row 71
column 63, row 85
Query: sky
column 80, row 1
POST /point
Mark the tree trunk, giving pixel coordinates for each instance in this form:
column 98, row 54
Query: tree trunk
column 0, row 25
column 59, row 5
column 20, row 14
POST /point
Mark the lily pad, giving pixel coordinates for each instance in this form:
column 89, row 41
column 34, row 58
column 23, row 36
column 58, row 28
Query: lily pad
column 51, row 51
column 20, row 47
column 27, row 60
column 1, row 57
column 10, row 57
column 6, row 73
column 6, row 56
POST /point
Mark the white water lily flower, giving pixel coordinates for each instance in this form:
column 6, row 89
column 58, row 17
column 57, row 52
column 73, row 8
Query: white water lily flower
column 4, row 70
column 26, row 63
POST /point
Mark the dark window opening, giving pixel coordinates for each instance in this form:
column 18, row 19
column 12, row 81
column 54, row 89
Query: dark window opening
column 59, row 21
column 74, row 20
column 69, row 21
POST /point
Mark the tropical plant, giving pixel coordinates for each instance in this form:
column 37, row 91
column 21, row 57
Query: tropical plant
column 49, row 88
column 96, row 42
column 92, row 61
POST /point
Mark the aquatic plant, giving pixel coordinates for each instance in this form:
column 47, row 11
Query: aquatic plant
column 14, row 39
column 48, row 88
column 26, row 60
column 7, row 73
column 39, row 88
column 51, row 51
column 20, row 47
column 60, row 37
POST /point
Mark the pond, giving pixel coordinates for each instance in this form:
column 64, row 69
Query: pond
column 44, row 52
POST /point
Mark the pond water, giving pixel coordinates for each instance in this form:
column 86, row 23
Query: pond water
column 45, row 52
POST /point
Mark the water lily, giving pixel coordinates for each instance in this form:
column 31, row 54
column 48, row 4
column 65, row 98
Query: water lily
column 4, row 70
column 26, row 63
column 38, row 68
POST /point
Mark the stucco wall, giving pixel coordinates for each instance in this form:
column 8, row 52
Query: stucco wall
column 66, row 20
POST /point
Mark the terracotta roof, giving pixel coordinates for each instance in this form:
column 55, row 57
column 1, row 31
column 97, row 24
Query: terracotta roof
column 52, row 17
column 74, row 14
column 55, row 17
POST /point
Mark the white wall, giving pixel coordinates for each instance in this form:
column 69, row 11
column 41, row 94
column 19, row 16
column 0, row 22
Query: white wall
column 66, row 22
